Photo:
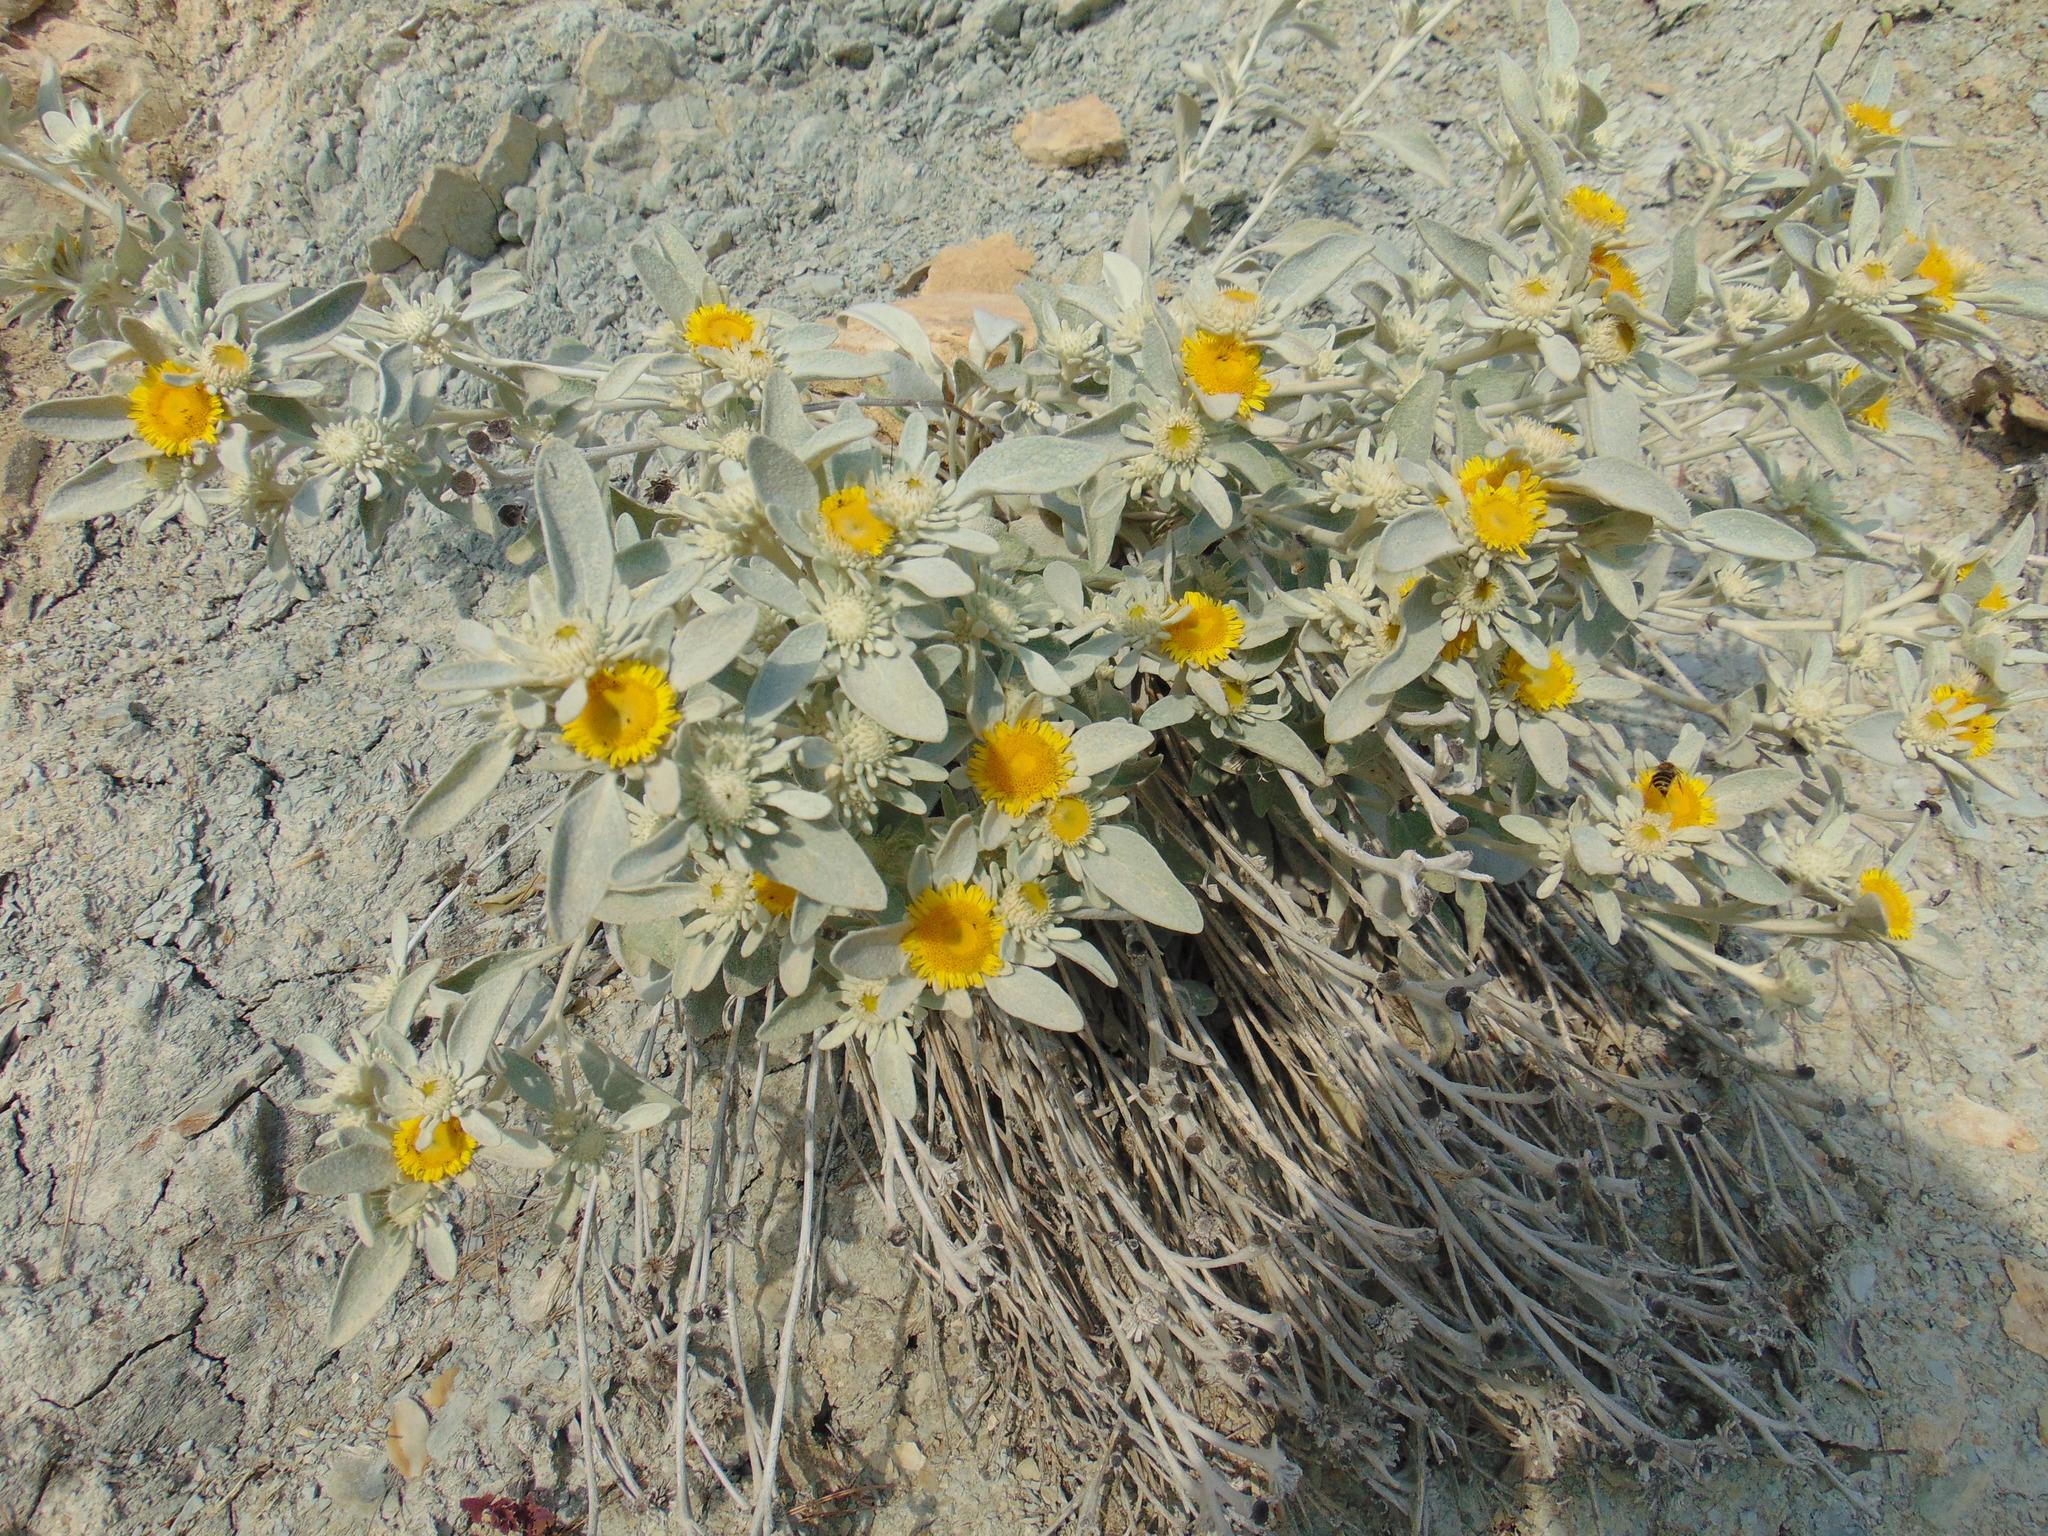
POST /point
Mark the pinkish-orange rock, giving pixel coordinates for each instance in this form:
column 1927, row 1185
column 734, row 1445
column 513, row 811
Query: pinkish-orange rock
column 1075, row 133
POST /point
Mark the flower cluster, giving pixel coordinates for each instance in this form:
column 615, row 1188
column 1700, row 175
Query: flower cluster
column 875, row 705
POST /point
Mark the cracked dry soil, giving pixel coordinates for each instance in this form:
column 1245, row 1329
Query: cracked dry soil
column 198, row 844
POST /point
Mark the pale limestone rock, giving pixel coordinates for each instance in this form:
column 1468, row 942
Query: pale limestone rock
column 451, row 207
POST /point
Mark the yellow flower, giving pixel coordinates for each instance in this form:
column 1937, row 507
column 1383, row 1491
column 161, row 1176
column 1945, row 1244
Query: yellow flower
column 1035, row 896
column 1941, row 268
column 1021, row 765
column 852, row 524
column 1979, row 732
column 1509, row 503
column 1205, row 633
column 1463, row 643
column 628, row 711
column 1621, row 277
column 1540, row 688
column 955, row 938
column 1223, row 365
column 1892, row 898
column 1685, row 800
column 1599, row 213
column 1878, row 414
column 1994, row 601
column 777, row 899
column 226, row 366
column 446, row 1153
column 717, row 328
column 1070, row 820
column 174, row 417
column 1878, row 120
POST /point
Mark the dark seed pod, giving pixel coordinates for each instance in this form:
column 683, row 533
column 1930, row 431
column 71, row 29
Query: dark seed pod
column 1431, row 1107
column 479, row 441
column 1804, row 1072
column 501, row 429
column 1690, row 1124
column 462, row 483
column 1238, row 1362
column 1196, row 1143
column 1661, row 1151
column 1456, row 824
column 511, row 514
column 1458, row 999
column 1261, row 1511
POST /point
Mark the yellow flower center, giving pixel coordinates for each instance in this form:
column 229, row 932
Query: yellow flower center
column 1224, row 365
column 1596, row 210
column 1994, row 601
column 1979, row 732
column 718, row 328
column 955, row 939
column 1540, row 688
column 852, row 524
column 1070, row 820
column 1205, row 633
column 1034, row 896
column 1460, row 644
column 1684, row 800
column 775, row 897
column 446, row 1153
column 1938, row 267
column 1878, row 414
column 628, row 711
column 1871, row 119
column 1509, row 504
column 1621, row 277
column 174, row 417
column 1893, row 900
column 1021, row 764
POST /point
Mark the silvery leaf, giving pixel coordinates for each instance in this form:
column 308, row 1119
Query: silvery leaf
column 370, row 1277
column 710, row 643
column 85, row 419
column 1035, row 998
column 1753, row 535
column 1029, row 466
column 895, row 1077
column 1631, row 487
column 317, row 321
column 590, row 835
column 1130, row 873
column 892, row 691
column 825, row 863
column 786, row 673
column 352, row 1170
column 575, row 527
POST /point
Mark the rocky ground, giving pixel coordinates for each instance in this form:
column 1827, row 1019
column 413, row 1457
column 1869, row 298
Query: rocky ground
column 198, row 839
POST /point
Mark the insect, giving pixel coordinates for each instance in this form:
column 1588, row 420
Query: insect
column 1663, row 776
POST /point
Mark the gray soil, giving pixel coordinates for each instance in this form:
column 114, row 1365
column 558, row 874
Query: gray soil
column 198, row 843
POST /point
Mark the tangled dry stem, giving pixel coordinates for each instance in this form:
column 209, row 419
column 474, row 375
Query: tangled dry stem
column 1310, row 1218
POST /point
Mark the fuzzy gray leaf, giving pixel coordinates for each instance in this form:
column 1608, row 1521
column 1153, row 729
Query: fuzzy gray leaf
column 575, row 526
column 466, row 785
